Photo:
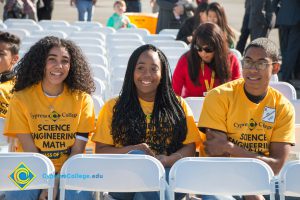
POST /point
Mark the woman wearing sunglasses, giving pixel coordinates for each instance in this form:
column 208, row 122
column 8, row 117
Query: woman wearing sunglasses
column 206, row 65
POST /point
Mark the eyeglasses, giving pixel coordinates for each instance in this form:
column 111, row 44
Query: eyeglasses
column 206, row 49
column 248, row 64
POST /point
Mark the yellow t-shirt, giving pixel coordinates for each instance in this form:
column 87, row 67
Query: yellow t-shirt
column 247, row 124
column 103, row 127
column 52, row 122
column 5, row 95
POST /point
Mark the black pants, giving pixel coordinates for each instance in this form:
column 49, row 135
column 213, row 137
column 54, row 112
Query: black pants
column 44, row 9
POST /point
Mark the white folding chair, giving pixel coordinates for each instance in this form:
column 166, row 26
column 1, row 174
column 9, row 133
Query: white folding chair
column 173, row 32
column 94, row 49
column 104, row 30
column 45, row 33
column 118, row 60
column 101, row 72
column 120, row 49
column 66, row 29
column 221, row 176
column 123, row 36
column 149, row 38
column 32, row 39
column 140, row 31
column 98, row 103
column 289, row 179
column 87, row 41
column 116, row 86
column 173, row 51
column 296, row 104
column 116, row 173
column 4, row 143
column 168, row 43
column 3, row 26
column 100, row 87
column 96, row 59
column 48, row 23
column 236, row 53
column 119, row 72
column 173, row 60
column 26, row 171
column 29, row 27
column 21, row 33
column 286, row 89
column 19, row 21
column 195, row 104
column 124, row 42
column 88, row 34
column 84, row 25
column 274, row 78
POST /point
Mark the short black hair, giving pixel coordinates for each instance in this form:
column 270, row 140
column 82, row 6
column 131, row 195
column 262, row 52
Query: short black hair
column 268, row 45
column 12, row 40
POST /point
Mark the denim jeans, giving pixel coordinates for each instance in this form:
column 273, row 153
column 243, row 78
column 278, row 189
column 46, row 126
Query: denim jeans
column 144, row 195
column 34, row 195
column 84, row 7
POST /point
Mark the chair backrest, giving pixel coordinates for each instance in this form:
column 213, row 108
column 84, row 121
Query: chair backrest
column 89, row 34
column 296, row 148
column 49, row 23
column 87, row 41
column 168, row 43
column 29, row 27
column 116, row 86
column 113, row 173
column 296, row 104
column 21, row 33
column 98, row 103
column 195, row 104
column 286, row 89
column 289, row 179
column 66, row 29
column 96, row 59
column 150, row 38
column 120, row 49
column 124, row 36
column 124, row 42
column 236, row 53
column 26, row 171
column 221, row 176
column 94, row 49
column 45, row 33
column 140, row 31
column 173, row 32
column 84, row 25
column 4, row 144
column 173, row 51
column 20, row 21
column 274, row 78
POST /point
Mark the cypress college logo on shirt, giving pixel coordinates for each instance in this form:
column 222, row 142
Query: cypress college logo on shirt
column 54, row 116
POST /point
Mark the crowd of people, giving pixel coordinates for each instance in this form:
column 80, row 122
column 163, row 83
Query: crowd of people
column 46, row 97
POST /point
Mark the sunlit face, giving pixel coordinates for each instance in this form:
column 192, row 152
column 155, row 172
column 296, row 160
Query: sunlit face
column 257, row 80
column 57, row 67
column 7, row 59
column 147, row 75
column 119, row 9
column 212, row 17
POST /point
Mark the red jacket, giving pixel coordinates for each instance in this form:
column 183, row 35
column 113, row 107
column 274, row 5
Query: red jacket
column 183, row 85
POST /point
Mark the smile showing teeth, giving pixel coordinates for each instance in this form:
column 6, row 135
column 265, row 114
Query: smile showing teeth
column 146, row 82
column 56, row 73
column 253, row 79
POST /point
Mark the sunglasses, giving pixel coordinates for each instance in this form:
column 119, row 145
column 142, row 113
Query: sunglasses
column 206, row 49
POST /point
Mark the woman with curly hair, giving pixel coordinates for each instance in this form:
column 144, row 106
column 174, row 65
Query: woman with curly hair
column 216, row 14
column 147, row 117
column 51, row 111
column 206, row 65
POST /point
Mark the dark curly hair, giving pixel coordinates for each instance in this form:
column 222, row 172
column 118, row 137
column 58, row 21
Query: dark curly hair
column 30, row 69
column 12, row 40
column 167, row 128
column 211, row 35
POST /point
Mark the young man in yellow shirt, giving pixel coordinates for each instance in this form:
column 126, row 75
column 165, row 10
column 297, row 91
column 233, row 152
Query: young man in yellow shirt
column 248, row 118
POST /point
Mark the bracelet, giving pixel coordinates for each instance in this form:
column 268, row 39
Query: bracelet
column 179, row 154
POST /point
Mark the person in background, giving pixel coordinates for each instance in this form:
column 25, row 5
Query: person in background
column 44, row 9
column 9, row 56
column 51, row 111
column 179, row 16
column 20, row 9
column 185, row 32
column 85, row 9
column 216, row 14
column 119, row 19
column 261, row 18
column 147, row 117
column 133, row 5
column 247, row 117
column 206, row 65
column 245, row 32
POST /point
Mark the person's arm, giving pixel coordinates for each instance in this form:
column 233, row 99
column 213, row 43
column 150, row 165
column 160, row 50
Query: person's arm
column 188, row 150
column 185, row 32
column 217, row 144
column 78, row 147
column 27, row 143
column 106, row 148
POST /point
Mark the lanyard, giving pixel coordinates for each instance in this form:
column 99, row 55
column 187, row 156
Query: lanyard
column 212, row 79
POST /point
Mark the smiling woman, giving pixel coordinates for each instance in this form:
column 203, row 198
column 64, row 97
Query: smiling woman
column 51, row 111
column 147, row 117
